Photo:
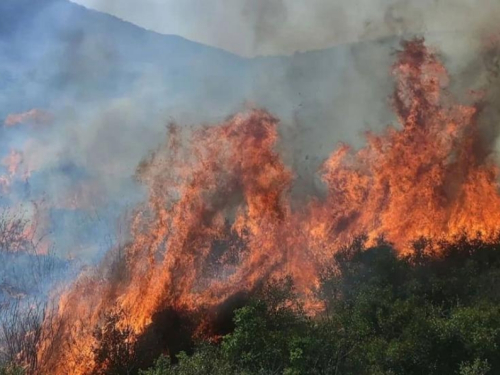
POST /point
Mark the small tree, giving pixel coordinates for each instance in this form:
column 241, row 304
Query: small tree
column 478, row 367
column 114, row 353
column 21, row 330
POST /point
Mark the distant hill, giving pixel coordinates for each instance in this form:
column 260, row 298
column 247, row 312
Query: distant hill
column 53, row 48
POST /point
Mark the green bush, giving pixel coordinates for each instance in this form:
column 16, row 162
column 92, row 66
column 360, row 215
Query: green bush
column 423, row 314
column 12, row 370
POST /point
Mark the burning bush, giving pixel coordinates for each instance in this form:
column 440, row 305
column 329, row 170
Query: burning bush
column 114, row 353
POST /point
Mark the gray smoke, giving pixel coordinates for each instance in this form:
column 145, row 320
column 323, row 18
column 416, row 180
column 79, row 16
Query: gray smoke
column 285, row 26
column 112, row 87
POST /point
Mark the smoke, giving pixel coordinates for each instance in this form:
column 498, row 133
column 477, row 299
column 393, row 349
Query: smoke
column 90, row 95
column 286, row 26
column 332, row 95
column 86, row 97
column 266, row 16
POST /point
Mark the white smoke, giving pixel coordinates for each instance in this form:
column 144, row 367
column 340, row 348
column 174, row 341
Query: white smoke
column 273, row 27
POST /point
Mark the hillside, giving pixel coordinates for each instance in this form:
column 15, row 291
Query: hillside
column 175, row 197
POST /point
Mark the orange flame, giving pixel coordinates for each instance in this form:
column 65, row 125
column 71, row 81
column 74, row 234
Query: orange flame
column 34, row 116
column 219, row 218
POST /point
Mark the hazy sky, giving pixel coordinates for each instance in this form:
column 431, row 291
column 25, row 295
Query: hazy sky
column 263, row 27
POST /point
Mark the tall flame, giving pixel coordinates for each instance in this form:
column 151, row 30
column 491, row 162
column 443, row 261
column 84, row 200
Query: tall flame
column 219, row 219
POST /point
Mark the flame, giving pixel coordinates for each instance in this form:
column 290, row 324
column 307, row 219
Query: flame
column 219, row 219
column 34, row 116
column 12, row 163
column 17, row 169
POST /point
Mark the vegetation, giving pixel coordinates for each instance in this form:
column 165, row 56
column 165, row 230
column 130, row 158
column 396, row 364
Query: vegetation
column 12, row 370
column 432, row 312
column 422, row 314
